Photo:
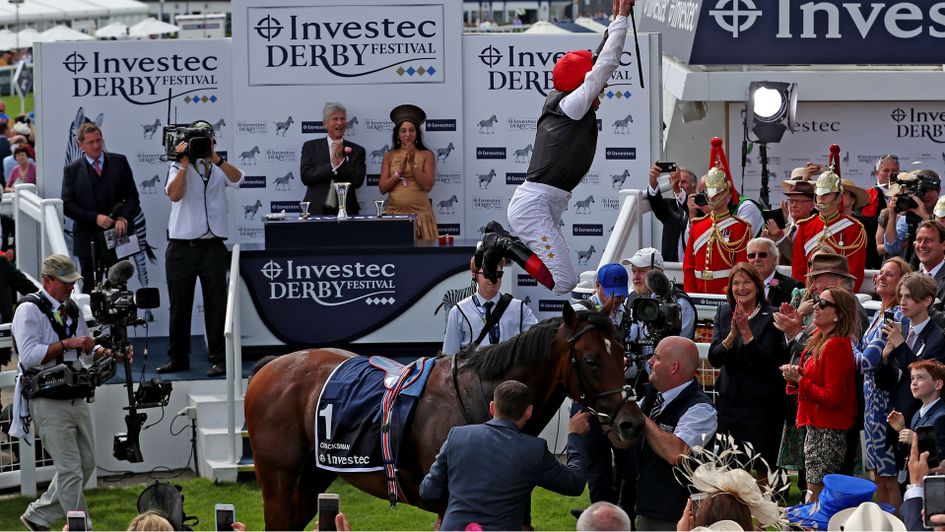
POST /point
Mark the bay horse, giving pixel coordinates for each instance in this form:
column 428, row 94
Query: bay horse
column 576, row 355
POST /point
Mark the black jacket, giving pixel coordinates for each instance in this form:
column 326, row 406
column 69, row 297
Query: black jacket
column 674, row 218
column 317, row 175
column 12, row 280
column 782, row 292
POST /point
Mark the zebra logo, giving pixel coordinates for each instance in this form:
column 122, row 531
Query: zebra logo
column 249, row 156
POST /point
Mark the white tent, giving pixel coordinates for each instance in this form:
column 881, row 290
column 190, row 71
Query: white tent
column 8, row 41
column 590, row 24
column 30, row 12
column 546, row 28
column 115, row 29
column 62, row 33
column 121, row 7
column 152, row 26
column 27, row 37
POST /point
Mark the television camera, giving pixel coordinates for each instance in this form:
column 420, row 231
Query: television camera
column 913, row 187
column 655, row 317
column 115, row 308
column 198, row 136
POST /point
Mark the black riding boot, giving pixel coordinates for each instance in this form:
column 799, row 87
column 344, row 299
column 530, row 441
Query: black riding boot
column 498, row 244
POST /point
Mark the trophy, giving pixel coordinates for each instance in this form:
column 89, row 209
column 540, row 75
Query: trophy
column 379, row 207
column 303, row 212
column 342, row 190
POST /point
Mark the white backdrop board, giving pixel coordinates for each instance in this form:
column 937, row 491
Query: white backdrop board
column 507, row 78
column 915, row 131
column 292, row 58
column 123, row 87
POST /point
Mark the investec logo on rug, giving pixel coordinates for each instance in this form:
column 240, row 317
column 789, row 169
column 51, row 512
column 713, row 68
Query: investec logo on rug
column 338, row 45
column 331, row 284
column 139, row 79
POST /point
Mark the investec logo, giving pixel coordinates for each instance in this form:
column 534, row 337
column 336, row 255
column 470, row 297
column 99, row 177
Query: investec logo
column 141, row 80
column 918, row 123
column 331, row 284
column 512, row 68
column 252, row 128
column 901, row 20
column 334, row 44
column 280, row 155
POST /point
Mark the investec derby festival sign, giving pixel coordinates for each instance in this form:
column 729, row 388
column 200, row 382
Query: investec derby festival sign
column 123, row 88
column 345, row 44
column 799, row 31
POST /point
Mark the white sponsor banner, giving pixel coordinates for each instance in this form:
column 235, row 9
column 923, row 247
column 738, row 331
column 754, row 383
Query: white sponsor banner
column 124, row 88
column 339, row 43
column 279, row 104
column 506, row 80
column 914, row 131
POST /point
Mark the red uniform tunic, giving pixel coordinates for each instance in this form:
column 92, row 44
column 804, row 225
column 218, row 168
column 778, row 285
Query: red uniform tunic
column 714, row 247
column 844, row 234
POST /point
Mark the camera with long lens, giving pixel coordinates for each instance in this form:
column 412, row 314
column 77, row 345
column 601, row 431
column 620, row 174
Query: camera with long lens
column 655, row 317
column 115, row 308
column 198, row 136
column 913, row 187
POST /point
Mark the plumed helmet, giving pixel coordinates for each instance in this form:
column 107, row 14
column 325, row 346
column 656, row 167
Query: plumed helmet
column 570, row 70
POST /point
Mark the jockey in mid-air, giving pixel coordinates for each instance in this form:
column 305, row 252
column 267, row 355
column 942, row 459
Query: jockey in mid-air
column 565, row 143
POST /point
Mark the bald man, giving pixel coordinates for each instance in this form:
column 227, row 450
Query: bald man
column 603, row 515
column 680, row 416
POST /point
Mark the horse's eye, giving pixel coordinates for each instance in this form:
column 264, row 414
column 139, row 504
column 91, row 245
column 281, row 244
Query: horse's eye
column 591, row 362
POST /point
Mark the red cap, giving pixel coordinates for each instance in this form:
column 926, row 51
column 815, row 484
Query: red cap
column 570, row 70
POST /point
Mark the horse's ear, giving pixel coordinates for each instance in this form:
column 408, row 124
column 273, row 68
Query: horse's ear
column 570, row 317
column 608, row 307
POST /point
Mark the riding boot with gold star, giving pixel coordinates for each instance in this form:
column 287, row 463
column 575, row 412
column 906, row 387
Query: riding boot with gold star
column 499, row 244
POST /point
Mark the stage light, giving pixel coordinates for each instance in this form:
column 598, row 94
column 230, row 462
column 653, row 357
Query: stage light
column 770, row 109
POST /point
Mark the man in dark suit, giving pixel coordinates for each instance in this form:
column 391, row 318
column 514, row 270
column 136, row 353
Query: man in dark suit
column 98, row 193
column 492, row 488
column 763, row 255
column 929, row 248
column 332, row 159
column 672, row 212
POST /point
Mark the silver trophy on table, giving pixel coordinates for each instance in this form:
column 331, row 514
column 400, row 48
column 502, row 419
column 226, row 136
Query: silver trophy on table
column 379, row 207
column 341, row 189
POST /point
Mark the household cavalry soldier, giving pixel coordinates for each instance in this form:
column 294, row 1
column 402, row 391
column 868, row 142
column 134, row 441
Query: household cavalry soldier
column 719, row 240
column 844, row 234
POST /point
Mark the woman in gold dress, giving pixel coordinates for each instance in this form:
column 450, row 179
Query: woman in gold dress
column 409, row 171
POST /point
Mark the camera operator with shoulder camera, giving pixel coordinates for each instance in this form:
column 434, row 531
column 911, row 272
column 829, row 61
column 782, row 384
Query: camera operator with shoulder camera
column 50, row 332
column 913, row 202
column 197, row 228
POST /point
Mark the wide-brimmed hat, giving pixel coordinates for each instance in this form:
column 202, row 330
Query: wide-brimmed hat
column 60, row 267
column 829, row 263
column 861, row 197
column 798, row 188
column 408, row 113
column 866, row 516
column 839, row 493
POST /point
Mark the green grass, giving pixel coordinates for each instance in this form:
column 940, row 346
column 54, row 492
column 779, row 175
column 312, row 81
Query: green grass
column 13, row 104
column 113, row 508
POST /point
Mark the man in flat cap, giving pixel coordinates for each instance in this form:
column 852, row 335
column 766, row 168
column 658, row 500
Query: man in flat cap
column 565, row 143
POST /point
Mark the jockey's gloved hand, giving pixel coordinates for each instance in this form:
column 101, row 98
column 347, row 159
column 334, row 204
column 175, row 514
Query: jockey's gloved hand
column 493, row 251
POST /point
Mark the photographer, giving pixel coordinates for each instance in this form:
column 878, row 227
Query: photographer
column 887, row 167
column 917, row 194
column 49, row 329
column 672, row 212
column 641, row 263
column 197, row 228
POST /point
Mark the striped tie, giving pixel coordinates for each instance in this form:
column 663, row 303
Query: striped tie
column 657, row 406
column 98, row 167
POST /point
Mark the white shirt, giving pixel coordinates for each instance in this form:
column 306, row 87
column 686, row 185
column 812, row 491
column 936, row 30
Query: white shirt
column 925, row 408
column 466, row 320
column 576, row 104
column 697, row 424
column 934, row 271
column 750, row 212
column 194, row 217
column 331, row 145
column 768, row 281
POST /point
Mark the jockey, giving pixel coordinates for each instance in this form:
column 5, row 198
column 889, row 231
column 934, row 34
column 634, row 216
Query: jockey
column 565, row 143
column 844, row 233
column 718, row 240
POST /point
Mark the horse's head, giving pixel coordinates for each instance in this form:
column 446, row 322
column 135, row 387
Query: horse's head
column 596, row 375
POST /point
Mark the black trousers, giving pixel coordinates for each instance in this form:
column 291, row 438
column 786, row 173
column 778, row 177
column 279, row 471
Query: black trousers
column 186, row 261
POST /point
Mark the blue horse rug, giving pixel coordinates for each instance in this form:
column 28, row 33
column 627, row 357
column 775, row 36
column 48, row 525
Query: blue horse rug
column 349, row 417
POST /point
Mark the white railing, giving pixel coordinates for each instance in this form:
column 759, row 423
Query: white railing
column 234, row 358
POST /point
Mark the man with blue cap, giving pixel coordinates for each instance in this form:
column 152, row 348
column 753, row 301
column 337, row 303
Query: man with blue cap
column 612, row 286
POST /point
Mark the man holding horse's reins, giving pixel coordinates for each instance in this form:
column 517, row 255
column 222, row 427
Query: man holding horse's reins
column 510, row 316
column 490, row 488
column 564, row 148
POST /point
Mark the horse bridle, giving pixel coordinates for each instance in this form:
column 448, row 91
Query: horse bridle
column 626, row 391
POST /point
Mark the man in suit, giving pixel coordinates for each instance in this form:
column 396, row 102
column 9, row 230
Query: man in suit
column 763, row 255
column 930, row 250
column 332, row 159
column 680, row 416
column 98, row 193
column 492, row 488
column 800, row 206
column 672, row 212
column 919, row 337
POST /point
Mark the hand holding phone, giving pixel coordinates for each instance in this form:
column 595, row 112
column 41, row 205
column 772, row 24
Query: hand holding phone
column 77, row 520
column 928, row 444
column 329, row 504
column 934, row 497
column 225, row 516
column 666, row 167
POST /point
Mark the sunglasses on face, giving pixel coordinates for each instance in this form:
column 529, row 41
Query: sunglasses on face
column 823, row 303
column 498, row 274
column 760, row 255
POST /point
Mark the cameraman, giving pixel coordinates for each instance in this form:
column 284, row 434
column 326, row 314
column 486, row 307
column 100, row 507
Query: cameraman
column 49, row 329
column 196, row 231
column 641, row 263
column 918, row 193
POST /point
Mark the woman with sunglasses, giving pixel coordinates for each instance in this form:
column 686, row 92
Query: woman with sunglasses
column 880, row 456
column 824, row 383
column 749, row 351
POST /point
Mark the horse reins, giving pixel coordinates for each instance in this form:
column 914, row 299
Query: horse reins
column 626, row 391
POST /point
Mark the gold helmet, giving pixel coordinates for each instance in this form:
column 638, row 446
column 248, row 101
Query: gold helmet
column 716, row 181
column 939, row 210
column 827, row 183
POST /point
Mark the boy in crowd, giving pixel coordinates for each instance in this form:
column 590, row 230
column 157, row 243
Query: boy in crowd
column 928, row 378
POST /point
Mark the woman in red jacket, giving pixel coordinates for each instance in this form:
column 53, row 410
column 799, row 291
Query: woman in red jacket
column 824, row 382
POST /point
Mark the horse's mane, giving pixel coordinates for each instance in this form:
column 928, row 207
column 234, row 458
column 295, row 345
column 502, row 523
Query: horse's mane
column 533, row 345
